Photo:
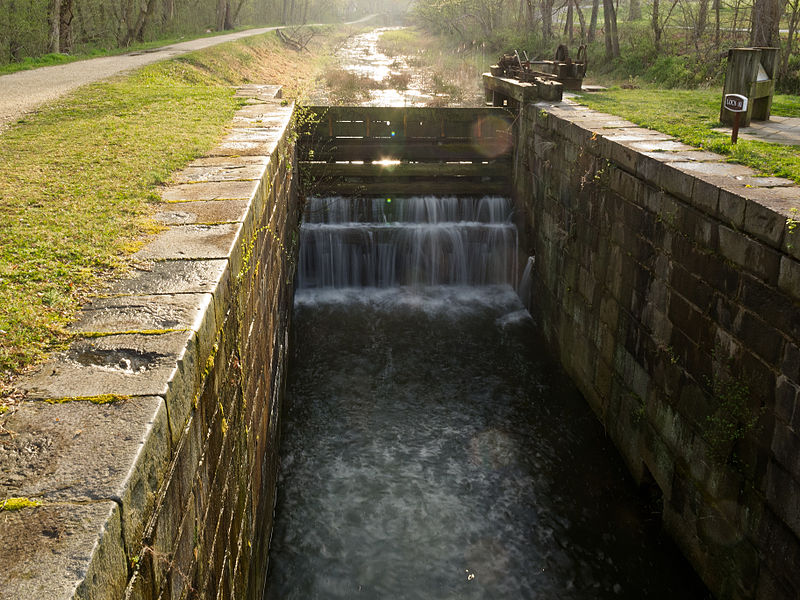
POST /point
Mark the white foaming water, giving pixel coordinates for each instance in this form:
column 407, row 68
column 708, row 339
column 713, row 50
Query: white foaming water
column 416, row 241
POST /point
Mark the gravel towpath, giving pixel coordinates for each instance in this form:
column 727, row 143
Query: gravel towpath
column 25, row 91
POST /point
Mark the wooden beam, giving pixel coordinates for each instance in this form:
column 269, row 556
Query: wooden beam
column 368, row 150
column 415, row 188
column 320, row 169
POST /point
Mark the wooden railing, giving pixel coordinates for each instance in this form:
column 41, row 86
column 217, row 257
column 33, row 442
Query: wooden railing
column 373, row 151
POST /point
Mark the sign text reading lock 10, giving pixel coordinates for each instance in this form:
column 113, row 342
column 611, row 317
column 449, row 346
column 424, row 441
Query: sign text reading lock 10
column 736, row 102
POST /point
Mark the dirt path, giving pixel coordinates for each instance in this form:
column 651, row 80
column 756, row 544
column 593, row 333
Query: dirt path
column 25, row 91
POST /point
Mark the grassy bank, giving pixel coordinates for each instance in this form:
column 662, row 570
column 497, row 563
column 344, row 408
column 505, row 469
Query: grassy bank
column 691, row 116
column 78, row 179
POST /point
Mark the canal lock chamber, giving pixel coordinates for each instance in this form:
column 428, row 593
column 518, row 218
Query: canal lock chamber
column 431, row 447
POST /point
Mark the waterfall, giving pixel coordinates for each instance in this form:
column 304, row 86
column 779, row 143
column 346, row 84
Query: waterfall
column 417, row 241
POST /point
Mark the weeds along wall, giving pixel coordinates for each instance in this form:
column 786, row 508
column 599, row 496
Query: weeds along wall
column 668, row 283
column 209, row 534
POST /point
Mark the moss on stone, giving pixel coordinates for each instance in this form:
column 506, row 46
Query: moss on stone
column 100, row 334
column 101, row 399
column 10, row 504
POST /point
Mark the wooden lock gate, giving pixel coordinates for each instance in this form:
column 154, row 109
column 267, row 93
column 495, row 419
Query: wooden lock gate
column 376, row 151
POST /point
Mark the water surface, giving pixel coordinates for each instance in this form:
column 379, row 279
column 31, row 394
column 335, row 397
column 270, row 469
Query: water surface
column 432, row 450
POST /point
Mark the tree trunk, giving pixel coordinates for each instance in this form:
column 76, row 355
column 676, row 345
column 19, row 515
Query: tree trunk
column 656, row 27
column 581, row 19
column 568, row 25
column 66, row 17
column 54, row 20
column 702, row 19
column 168, row 11
column 610, row 27
column 546, row 8
column 794, row 21
column 717, row 4
column 135, row 32
column 222, row 11
column 765, row 23
column 593, row 21
column 634, row 10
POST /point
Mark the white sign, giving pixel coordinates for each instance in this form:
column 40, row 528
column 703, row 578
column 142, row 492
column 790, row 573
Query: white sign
column 736, row 102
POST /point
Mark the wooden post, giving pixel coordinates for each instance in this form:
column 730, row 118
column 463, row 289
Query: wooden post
column 742, row 78
column 742, row 73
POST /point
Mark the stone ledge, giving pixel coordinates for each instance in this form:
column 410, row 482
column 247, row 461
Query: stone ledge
column 123, row 391
column 760, row 207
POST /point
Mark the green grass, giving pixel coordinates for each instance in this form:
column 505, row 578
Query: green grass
column 690, row 116
column 78, row 180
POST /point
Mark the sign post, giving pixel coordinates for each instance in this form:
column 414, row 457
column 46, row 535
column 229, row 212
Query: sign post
column 737, row 104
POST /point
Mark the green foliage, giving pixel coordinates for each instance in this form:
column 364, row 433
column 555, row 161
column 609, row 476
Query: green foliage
column 732, row 418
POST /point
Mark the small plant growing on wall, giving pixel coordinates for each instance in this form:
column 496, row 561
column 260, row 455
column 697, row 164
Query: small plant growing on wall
column 732, row 418
column 792, row 226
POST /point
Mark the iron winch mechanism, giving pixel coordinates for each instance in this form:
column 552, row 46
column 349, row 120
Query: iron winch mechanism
column 562, row 69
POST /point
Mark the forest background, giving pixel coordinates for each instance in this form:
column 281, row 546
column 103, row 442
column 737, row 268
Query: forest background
column 671, row 43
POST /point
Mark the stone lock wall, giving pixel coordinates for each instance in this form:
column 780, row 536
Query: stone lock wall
column 668, row 282
column 148, row 449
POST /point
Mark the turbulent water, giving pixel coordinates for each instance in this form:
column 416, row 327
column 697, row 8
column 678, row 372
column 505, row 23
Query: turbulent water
column 431, row 449
column 424, row 240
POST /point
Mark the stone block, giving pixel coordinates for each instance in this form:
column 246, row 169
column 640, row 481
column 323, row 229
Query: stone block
column 625, row 184
column 665, row 177
column 693, row 288
column 759, row 337
column 212, row 212
column 791, row 360
column 620, row 154
column 764, row 223
column 124, row 365
column 146, row 313
column 783, row 496
column 781, row 552
column 750, row 254
column 242, row 168
column 732, row 208
column 773, row 586
column 786, row 449
column 173, row 277
column 249, row 141
column 705, row 196
column 192, row 242
column 778, row 309
column 80, row 451
column 63, row 550
column 789, row 277
column 787, row 395
column 211, row 190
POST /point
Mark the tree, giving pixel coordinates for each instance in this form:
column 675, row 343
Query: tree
column 546, row 9
column 65, row 28
column 593, row 21
column 765, row 22
column 610, row 27
column 54, row 19
column 634, row 10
